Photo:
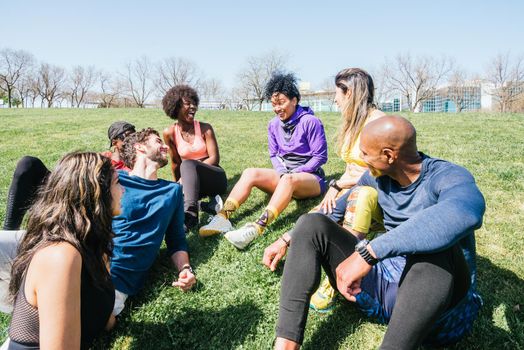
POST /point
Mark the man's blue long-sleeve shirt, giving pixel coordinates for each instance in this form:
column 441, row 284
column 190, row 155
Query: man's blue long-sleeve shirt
column 151, row 210
column 442, row 207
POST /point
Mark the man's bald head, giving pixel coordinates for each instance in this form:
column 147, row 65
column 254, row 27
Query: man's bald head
column 394, row 132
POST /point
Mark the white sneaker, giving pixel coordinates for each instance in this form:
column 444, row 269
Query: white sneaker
column 243, row 236
column 218, row 204
column 213, row 207
column 218, row 224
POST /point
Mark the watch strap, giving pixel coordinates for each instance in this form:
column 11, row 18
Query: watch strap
column 362, row 249
column 333, row 183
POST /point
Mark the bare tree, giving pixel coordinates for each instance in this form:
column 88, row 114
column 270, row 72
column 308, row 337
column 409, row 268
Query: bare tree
column 13, row 65
column 258, row 70
column 212, row 90
column 26, row 88
column 506, row 75
column 460, row 89
column 138, row 79
column 327, row 86
column 382, row 93
column 177, row 70
column 81, row 80
column 110, row 89
column 33, row 91
column 242, row 98
column 49, row 83
column 416, row 78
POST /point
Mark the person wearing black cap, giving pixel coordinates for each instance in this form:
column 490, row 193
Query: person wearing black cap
column 116, row 134
column 31, row 173
column 118, row 131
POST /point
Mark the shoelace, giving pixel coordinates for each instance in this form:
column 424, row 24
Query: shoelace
column 212, row 219
column 247, row 233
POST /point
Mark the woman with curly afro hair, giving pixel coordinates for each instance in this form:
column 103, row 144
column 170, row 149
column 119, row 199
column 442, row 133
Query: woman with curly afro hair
column 297, row 149
column 194, row 153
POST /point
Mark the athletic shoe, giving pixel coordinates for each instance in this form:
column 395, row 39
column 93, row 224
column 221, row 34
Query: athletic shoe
column 214, row 206
column 243, row 236
column 218, row 224
column 324, row 298
column 190, row 221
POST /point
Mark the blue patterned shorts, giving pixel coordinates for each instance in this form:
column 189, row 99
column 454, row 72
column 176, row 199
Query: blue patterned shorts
column 379, row 291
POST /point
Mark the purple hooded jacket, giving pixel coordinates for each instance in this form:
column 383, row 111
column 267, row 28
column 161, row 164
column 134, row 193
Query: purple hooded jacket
column 298, row 144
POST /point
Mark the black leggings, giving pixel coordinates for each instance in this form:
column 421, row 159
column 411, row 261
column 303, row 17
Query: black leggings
column 200, row 180
column 430, row 284
column 30, row 174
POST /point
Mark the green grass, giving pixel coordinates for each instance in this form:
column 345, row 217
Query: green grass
column 235, row 304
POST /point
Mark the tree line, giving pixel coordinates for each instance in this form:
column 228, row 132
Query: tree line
column 24, row 81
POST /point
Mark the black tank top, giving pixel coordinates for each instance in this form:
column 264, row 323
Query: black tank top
column 96, row 306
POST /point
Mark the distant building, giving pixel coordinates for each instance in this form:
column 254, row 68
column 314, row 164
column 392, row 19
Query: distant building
column 472, row 96
column 475, row 95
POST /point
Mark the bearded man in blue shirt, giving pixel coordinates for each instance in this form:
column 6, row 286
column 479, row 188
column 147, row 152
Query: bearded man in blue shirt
column 152, row 211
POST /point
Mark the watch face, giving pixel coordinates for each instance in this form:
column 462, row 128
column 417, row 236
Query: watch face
column 361, row 247
column 362, row 243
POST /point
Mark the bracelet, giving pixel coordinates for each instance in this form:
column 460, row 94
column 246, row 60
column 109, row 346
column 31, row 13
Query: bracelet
column 186, row 267
column 287, row 242
column 333, row 183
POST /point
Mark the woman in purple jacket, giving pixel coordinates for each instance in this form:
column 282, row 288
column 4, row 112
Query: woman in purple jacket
column 297, row 148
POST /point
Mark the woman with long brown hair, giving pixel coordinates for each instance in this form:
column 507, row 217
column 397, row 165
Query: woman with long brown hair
column 62, row 287
column 354, row 95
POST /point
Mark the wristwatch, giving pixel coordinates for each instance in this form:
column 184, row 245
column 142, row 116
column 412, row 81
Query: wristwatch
column 187, row 267
column 333, row 183
column 362, row 249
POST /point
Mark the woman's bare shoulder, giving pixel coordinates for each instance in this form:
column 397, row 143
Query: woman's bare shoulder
column 168, row 131
column 57, row 256
column 205, row 127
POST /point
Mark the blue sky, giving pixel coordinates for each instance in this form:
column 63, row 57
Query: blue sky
column 320, row 37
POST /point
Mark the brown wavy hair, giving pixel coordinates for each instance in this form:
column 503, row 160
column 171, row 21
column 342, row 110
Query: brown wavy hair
column 128, row 153
column 74, row 206
column 359, row 105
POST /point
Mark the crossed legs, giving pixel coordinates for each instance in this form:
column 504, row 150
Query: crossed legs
column 431, row 284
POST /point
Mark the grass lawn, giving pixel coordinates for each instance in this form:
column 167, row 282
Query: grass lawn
column 235, row 304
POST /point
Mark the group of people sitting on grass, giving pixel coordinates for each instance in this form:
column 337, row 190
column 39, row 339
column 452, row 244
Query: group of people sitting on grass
column 394, row 234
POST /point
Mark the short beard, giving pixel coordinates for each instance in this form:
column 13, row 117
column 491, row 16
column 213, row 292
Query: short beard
column 161, row 161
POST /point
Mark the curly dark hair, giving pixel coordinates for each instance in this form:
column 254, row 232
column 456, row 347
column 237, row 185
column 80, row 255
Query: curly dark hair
column 172, row 101
column 283, row 83
column 128, row 147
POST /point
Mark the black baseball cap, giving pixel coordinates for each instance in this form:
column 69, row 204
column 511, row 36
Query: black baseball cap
column 117, row 129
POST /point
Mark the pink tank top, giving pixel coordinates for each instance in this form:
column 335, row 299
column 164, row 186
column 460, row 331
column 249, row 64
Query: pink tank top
column 197, row 150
